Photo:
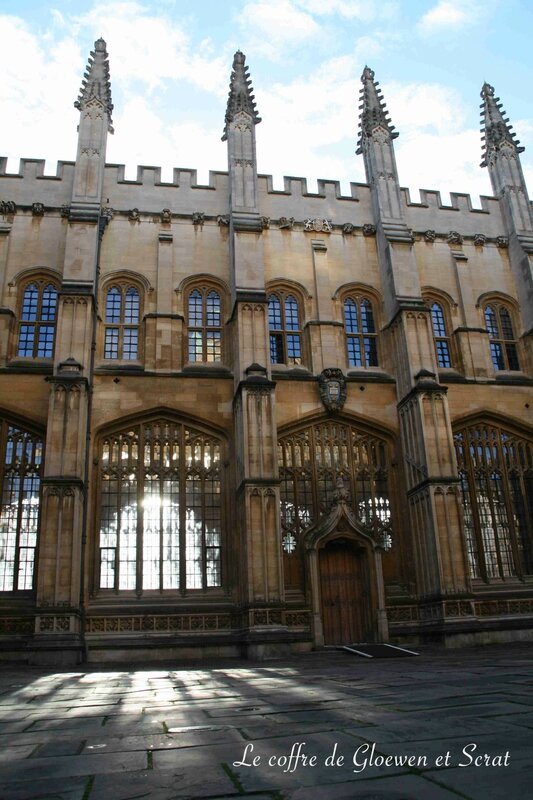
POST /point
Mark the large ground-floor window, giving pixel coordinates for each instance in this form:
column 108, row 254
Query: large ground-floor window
column 496, row 472
column 160, row 508
column 311, row 462
column 21, row 456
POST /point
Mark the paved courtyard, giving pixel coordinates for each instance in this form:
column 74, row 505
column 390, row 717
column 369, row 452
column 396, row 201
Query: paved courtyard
column 448, row 724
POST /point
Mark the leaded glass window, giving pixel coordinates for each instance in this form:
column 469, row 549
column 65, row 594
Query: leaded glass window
column 361, row 335
column 20, row 476
column 311, row 461
column 204, row 326
column 503, row 346
column 496, row 474
column 161, row 508
column 122, row 317
column 37, row 320
column 285, row 329
column 440, row 336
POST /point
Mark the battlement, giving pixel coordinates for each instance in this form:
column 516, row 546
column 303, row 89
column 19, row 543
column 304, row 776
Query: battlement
column 150, row 193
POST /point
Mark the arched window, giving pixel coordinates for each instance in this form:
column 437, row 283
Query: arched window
column 285, row 329
column 204, row 324
column 21, row 455
column 311, row 460
column 122, row 316
column 160, row 508
column 503, row 347
column 38, row 320
column 496, row 472
column 440, row 336
column 360, row 328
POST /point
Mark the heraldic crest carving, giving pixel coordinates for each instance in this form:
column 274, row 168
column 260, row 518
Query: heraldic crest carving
column 332, row 387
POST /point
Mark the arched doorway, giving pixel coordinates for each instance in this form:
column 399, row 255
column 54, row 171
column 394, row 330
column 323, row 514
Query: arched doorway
column 344, row 592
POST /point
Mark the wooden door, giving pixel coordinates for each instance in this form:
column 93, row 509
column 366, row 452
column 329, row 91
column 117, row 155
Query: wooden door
column 344, row 593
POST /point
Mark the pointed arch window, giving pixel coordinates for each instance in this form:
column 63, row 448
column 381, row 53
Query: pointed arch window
column 204, row 324
column 285, row 329
column 440, row 336
column 160, row 508
column 360, row 328
column 21, row 456
column 122, row 317
column 503, row 344
column 496, row 474
column 37, row 320
column 311, row 461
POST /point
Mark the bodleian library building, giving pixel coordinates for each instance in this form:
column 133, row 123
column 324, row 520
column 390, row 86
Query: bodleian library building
column 240, row 421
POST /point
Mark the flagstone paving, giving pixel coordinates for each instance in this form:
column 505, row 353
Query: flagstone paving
column 445, row 725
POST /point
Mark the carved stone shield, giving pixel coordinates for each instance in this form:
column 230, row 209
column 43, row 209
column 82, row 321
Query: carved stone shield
column 332, row 386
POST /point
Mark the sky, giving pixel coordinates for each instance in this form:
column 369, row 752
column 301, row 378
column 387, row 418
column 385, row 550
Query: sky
column 170, row 64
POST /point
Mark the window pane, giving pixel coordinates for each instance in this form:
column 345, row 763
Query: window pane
column 176, row 541
column 371, row 351
column 274, row 314
column 497, row 355
column 276, row 348
column 512, row 356
column 131, row 307
column 294, row 350
column 213, row 310
column 507, row 328
column 354, row 352
column 29, row 303
column 350, row 316
column 367, row 317
column 111, row 343
column 437, row 318
column 291, row 314
column 45, row 346
column 48, row 309
column 491, row 323
column 443, row 353
column 26, row 340
column 131, row 336
column 19, row 513
column 213, row 346
column 195, row 346
column 113, row 304
column 195, row 309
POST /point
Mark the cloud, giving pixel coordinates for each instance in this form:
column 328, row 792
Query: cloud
column 152, row 49
column 449, row 14
column 275, row 27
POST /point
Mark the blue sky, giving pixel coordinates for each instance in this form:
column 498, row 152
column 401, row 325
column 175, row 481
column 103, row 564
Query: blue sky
column 170, row 64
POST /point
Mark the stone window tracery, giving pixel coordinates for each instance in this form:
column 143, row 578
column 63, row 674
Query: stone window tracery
column 37, row 320
column 160, row 508
column 21, row 455
column 204, row 325
column 284, row 322
column 122, row 318
column 503, row 344
column 360, row 329
column 311, row 461
column 496, row 474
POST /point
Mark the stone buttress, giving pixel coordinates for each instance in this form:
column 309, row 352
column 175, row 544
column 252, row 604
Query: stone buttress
column 427, row 441
column 60, row 586
column 257, row 485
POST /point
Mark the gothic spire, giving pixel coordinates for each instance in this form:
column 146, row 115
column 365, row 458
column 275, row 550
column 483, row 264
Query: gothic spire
column 374, row 112
column 96, row 81
column 494, row 125
column 240, row 93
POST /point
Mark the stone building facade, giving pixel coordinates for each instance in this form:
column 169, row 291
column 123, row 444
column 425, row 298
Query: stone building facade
column 239, row 420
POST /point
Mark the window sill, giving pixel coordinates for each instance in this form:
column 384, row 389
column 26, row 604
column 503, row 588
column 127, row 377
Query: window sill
column 369, row 375
column 42, row 366
column 129, row 367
